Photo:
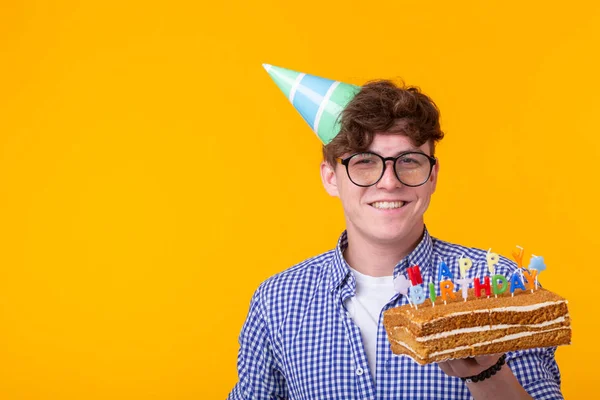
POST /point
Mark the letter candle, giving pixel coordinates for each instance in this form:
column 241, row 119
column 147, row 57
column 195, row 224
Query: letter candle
column 464, row 264
column 529, row 276
column 432, row 295
column 414, row 274
column 464, row 283
column 518, row 256
column 485, row 287
column 516, row 282
column 417, row 294
column 492, row 260
column 499, row 279
column 444, row 272
column 447, row 289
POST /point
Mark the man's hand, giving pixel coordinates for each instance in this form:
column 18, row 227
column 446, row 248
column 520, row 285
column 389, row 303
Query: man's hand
column 503, row 385
column 465, row 367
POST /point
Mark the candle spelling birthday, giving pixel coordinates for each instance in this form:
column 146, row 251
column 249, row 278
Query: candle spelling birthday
column 523, row 279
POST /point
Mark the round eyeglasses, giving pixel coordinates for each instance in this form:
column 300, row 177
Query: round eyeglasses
column 366, row 169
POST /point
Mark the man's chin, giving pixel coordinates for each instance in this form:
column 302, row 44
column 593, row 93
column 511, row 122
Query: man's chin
column 389, row 236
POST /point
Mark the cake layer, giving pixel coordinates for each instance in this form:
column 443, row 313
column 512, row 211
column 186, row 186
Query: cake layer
column 513, row 342
column 425, row 345
column 537, row 307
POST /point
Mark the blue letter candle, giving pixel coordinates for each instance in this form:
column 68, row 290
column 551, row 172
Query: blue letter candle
column 444, row 272
column 516, row 282
column 417, row 294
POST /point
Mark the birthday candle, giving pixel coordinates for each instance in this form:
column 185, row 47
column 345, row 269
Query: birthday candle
column 518, row 256
column 414, row 274
column 444, row 272
column 432, row 295
column 537, row 264
column 417, row 294
column 465, row 264
column 516, row 282
column 485, row 287
column 464, row 283
column 492, row 260
column 530, row 277
column 447, row 290
column 496, row 280
column 401, row 285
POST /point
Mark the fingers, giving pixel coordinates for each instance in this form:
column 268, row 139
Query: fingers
column 468, row 366
column 487, row 360
column 446, row 366
column 459, row 367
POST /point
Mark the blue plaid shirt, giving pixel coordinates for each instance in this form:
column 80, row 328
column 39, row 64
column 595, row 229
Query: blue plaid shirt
column 299, row 342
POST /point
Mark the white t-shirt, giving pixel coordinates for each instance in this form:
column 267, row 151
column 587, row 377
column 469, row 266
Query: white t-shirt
column 372, row 293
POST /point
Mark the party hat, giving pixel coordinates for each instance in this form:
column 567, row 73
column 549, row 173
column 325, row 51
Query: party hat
column 319, row 100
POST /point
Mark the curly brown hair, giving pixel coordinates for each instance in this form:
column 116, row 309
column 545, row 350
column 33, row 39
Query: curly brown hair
column 383, row 106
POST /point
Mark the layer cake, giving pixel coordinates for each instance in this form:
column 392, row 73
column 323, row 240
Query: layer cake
column 478, row 326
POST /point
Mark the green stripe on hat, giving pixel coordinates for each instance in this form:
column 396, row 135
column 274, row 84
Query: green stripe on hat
column 328, row 126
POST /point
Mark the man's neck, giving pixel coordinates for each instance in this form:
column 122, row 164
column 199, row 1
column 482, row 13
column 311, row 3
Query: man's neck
column 379, row 259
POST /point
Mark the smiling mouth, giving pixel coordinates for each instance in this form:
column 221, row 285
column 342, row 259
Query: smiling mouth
column 388, row 205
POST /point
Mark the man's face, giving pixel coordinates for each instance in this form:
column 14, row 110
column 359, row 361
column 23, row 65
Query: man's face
column 363, row 218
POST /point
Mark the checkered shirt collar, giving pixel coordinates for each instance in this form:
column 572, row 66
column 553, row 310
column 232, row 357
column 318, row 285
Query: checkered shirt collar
column 421, row 256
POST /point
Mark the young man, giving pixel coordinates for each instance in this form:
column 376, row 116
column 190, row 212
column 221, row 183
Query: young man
column 315, row 330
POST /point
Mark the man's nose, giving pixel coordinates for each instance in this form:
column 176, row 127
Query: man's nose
column 389, row 180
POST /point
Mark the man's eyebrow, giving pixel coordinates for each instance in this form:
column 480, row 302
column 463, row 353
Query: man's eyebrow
column 415, row 149
column 410, row 149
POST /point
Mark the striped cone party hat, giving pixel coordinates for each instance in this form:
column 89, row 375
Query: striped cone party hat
column 320, row 101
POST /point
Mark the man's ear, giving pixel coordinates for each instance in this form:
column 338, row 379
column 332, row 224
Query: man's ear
column 434, row 175
column 329, row 179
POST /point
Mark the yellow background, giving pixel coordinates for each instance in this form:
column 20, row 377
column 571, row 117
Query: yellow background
column 152, row 174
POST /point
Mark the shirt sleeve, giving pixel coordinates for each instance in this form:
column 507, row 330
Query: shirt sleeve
column 258, row 376
column 537, row 371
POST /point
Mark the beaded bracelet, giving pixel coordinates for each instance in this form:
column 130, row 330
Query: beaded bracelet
column 491, row 371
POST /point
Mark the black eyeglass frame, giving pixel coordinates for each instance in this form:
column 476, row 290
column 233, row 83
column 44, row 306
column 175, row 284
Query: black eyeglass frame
column 346, row 161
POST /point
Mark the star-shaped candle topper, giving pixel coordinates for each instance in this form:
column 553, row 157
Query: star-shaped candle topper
column 401, row 284
column 537, row 263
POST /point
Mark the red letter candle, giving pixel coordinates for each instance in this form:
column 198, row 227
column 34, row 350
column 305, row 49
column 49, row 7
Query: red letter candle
column 479, row 287
column 414, row 274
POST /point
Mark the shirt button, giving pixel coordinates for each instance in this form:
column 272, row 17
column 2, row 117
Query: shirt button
column 347, row 314
column 359, row 371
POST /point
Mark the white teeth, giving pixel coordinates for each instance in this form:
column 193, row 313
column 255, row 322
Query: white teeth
column 388, row 204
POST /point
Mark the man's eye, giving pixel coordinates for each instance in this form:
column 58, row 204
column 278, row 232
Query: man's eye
column 409, row 160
